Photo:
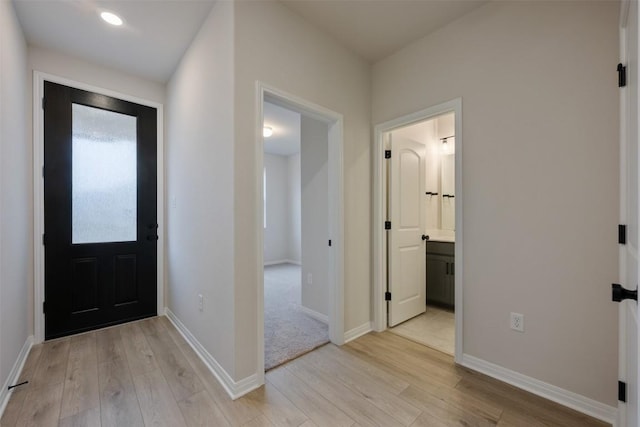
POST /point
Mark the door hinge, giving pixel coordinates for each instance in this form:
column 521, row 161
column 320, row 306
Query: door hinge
column 622, row 234
column 42, row 171
column 622, row 75
column 329, row 242
column 387, row 154
column 387, row 296
column 44, row 239
column 44, row 102
column 622, row 391
column 387, row 225
column 619, row 294
column 44, row 307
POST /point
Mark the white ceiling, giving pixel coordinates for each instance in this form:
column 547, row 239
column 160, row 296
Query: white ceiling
column 375, row 29
column 156, row 33
column 152, row 40
column 285, row 123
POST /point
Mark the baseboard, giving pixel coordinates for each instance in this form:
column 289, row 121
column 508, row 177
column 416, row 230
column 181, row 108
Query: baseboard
column 281, row 261
column 5, row 393
column 234, row 389
column 312, row 313
column 593, row 408
column 354, row 333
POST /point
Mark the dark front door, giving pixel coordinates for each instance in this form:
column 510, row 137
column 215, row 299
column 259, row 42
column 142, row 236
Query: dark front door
column 99, row 210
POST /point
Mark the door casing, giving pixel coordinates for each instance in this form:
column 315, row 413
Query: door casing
column 379, row 214
column 625, row 309
column 38, row 190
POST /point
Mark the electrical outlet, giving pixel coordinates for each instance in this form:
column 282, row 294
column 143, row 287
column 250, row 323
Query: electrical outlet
column 200, row 302
column 309, row 279
column 517, row 322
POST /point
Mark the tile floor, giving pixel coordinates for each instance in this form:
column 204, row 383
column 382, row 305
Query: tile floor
column 434, row 328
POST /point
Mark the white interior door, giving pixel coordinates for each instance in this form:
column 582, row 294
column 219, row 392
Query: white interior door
column 629, row 215
column 407, row 251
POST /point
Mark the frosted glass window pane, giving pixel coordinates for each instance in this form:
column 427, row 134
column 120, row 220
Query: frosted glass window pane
column 104, row 172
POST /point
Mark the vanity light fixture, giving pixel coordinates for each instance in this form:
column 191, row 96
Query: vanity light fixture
column 267, row 131
column 446, row 148
column 111, row 18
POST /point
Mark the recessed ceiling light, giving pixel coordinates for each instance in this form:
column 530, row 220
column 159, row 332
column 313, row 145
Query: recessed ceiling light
column 267, row 131
column 111, row 18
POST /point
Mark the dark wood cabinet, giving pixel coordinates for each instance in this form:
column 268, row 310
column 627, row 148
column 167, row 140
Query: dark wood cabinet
column 440, row 274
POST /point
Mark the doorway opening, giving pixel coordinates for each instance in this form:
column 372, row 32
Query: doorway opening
column 300, row 217
column 417, row 200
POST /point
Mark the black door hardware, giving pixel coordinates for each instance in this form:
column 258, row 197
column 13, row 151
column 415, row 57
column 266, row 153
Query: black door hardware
column 618, row 293
column 17, row 385
column 450, row 196
column 622, row 391
column 622, row 234
column 431, row 193
column 425, row 237
column 622, row 75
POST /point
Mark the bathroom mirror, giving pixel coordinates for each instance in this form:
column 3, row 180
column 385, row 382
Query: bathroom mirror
column 448, row 187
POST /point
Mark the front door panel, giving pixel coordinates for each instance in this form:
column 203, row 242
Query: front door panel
column 100, row 210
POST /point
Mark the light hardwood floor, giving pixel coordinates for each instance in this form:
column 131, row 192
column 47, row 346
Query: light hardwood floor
column 144, row 374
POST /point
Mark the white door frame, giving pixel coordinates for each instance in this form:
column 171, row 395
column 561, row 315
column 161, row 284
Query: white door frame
column 622, row 256
column 379, row 215
column 336, row 207
column 38, row 189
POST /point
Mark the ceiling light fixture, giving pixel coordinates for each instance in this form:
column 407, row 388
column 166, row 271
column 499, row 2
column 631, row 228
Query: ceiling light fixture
column 111, row 18
column 267, row 131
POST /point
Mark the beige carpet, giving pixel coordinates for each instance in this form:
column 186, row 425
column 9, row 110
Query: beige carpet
column 288, row 332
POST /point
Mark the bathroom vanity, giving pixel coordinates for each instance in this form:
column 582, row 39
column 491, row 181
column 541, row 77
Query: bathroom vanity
column 440, row 273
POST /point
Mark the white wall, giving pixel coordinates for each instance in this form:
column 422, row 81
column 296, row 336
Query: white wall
column 278, row 207
column 62, row 65
column 432, row 179
column 16, row 231
column 295, row 208
column 278, row 47
column 314, row 146
column 200, row 183
column 540, row 179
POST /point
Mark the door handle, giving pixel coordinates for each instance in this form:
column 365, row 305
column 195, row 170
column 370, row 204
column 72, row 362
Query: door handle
column 618, row 293
column 152, row 237
column 425, row 237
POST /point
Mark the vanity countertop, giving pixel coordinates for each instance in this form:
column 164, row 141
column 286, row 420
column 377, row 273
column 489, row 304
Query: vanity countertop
column 441, row 237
